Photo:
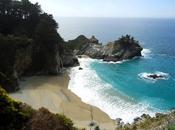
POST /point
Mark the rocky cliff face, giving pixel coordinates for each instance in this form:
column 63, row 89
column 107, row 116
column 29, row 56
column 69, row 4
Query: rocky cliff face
column 81, row 41
column 15, row 60
column 125, row 47
column 46, row 60
column 22, row 57
column 69, row 60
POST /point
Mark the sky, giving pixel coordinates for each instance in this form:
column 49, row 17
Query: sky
column 109, row 8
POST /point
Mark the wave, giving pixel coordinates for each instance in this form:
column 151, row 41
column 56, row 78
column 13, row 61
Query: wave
column 111, row 62
column 146, row 53
column 161, row 76
column 93, row 90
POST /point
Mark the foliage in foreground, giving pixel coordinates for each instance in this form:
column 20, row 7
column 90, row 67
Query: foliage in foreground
column 13, row 115
column 18, row 116
column 159, row 122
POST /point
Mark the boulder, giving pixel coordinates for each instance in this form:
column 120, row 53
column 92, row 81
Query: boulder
column 80, row 68
column 70, row 60
column 155, row 76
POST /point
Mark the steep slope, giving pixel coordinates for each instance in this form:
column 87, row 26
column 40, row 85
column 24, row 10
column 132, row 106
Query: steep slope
column 18, row 116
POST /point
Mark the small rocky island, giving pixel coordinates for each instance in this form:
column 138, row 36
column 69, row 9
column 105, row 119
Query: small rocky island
column 154, row 76
column 126, row 47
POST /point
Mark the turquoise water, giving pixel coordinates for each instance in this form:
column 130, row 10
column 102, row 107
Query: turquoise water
column 121, row 89
column 124, row 77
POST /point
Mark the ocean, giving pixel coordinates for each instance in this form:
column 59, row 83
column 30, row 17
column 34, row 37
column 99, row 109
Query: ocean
column 120, row 89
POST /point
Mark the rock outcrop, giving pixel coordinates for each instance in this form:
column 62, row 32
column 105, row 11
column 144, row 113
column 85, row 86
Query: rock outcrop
column 22, row 57
column 69, row 60
column 125, row 47
column 81, row 41
column 78, row 42
column 94, row 40
column 15, row 59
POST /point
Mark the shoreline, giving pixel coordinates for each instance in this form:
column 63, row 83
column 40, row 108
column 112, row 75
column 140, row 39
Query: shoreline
column 52, row 93
column 152, row 115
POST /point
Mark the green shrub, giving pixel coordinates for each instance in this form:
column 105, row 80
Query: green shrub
column 13, row 114
column 171, row 127
column 66, row 121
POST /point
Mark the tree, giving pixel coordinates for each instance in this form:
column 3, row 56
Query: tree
column 48, row 43
column 19, row 15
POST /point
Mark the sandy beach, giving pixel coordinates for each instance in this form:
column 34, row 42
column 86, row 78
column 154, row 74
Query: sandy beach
column 52, row 93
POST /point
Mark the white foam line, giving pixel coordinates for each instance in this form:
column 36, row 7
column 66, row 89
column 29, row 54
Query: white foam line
column 146, row 53
column 145, row 76
column 93, row 90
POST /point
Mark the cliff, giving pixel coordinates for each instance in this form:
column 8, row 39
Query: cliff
column 125, row 47
column 20, row 57
column 15, row 59
column 29, row 44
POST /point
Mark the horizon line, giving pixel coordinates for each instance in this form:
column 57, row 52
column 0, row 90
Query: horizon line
column 115, row 17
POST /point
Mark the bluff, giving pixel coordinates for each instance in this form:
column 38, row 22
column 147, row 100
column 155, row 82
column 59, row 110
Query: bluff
column 124, row 48
column 16, row 58
column 29, row 43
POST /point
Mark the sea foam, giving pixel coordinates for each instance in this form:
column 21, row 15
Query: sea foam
column 145, row 76
column 93, row 90
column 146, row 53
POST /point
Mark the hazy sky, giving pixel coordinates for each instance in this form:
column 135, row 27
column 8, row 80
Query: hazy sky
column 109, row 8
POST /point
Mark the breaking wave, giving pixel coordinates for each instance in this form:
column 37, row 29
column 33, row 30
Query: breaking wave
column 93, row 90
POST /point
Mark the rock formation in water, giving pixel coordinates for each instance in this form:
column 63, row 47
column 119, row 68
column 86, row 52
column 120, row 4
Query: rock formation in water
column 125, row 47
column 79, row 42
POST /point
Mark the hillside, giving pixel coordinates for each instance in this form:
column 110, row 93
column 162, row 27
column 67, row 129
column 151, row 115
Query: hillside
column 29, row 43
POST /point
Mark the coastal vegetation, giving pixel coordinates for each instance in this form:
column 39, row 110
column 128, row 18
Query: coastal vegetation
column 29, row 43
column 19, row 116
column 13, row 114
column 145, row 122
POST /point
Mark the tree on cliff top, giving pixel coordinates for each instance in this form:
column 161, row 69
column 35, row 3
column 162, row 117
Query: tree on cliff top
column 25, row 20
column 18, row 17
column 47, row 42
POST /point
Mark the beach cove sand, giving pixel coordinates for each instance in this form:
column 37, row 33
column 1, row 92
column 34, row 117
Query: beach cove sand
column 52, row 93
